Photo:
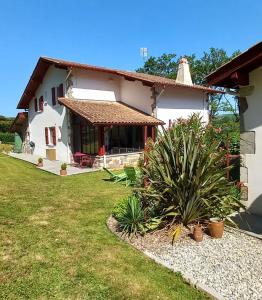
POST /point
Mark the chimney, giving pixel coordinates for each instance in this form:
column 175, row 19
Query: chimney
column 183, row 74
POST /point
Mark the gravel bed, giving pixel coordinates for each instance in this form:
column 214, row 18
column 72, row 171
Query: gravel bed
column 229, row 268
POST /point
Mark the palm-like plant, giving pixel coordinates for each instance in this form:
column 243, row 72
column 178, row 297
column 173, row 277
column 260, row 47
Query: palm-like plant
column 131, row 217
column 186, row 172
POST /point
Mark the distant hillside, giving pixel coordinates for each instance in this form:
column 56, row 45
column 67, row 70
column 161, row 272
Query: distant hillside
column 5, row 135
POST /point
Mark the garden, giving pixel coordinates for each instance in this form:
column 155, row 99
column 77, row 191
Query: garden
column 181, row 212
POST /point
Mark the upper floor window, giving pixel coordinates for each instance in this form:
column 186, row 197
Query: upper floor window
column 36, row 104
column 56, row 93
column 41, row 103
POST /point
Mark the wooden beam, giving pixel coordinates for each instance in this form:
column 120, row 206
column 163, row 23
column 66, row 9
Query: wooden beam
column 240, row 78
column 145, row 135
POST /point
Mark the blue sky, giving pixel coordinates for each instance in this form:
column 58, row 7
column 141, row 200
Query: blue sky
column 110, row 33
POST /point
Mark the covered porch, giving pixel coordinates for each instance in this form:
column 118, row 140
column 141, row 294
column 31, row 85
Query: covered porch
column 112, row 133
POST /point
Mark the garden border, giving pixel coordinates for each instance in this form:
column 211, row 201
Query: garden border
column 193, row 282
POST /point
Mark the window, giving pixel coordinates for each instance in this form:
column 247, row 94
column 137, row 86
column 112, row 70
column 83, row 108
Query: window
column 89, row 139
column 50, row 136
column 41, row 103
column 36, row 106
column 53, row 96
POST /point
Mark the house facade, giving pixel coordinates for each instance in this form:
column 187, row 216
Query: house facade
column 243, row 77
column 103, row 112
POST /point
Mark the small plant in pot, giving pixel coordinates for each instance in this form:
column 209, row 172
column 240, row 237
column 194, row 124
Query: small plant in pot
column 221, row 212
column 40, row 162
column 63, row 171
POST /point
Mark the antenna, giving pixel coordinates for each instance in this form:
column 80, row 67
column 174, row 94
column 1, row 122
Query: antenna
column 144, row 53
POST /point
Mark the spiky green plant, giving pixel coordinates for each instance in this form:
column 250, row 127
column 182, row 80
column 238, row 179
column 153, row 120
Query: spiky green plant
column 131, row 217
column 186, row 172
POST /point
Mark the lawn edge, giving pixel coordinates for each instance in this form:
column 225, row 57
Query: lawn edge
column 212, row 293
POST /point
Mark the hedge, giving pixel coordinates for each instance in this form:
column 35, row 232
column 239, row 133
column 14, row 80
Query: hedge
column 7, row 137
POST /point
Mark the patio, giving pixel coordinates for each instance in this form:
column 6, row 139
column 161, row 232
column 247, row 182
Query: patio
column 52, row 166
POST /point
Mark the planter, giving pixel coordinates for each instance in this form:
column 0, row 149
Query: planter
column 63, row 172
column 216, row 229
column 40, row 164
column 198, row 233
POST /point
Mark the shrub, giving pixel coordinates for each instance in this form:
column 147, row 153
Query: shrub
column 6, row 137
column 120, row 207
column 186, row 173
column 63, row 166
column 130, row 216
column 6, row 148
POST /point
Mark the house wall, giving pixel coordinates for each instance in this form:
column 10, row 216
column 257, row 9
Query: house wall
column 135, row 94
column 176, row 103
column 251, row 165
column 51, row 116
column 95, row 85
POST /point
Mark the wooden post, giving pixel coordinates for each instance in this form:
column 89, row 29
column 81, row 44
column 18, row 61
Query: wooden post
column 145, row 136
column 101, row 141
column 145, row 154
column 228, row 160
column 153, row 133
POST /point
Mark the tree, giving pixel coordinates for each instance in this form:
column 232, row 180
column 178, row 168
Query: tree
column 167, row 65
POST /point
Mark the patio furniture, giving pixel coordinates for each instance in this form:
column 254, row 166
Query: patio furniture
column 83, row 159
column 131, row 175
column 115, row 177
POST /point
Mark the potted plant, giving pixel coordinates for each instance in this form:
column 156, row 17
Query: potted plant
column 40, row 162
column 221, row 210
column 63, row 171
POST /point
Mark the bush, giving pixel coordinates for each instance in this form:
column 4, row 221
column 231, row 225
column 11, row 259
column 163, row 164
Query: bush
column 6, row 137
column 186, row 173
column 63, row 166
column 130, row 215
column 120, row 207
column 6, row 148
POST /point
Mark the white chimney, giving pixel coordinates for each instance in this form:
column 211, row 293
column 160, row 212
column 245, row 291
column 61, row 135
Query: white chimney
column 183, row 74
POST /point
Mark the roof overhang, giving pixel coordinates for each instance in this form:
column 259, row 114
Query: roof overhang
column 18, row 122
column 106, row 113
column 236, row 71
column 148, row 80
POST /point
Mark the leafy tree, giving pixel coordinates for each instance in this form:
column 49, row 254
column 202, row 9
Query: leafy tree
column 167, row 65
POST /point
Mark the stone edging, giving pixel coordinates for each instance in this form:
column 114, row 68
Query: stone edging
column 193, row 282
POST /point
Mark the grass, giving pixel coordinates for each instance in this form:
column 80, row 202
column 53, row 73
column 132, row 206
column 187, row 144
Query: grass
column 54, row 242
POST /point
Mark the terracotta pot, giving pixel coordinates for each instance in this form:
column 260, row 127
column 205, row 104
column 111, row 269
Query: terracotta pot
column 216, row 229
column 198, row 233
column 63, row 172
column 40, row 164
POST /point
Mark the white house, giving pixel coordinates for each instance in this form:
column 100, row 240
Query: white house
column 106, row 113
column 243, row 74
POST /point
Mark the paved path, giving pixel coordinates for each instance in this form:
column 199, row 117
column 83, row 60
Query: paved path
column 52, row 166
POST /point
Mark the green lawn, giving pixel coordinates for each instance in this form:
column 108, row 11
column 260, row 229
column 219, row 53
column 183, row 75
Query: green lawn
column 54, row 242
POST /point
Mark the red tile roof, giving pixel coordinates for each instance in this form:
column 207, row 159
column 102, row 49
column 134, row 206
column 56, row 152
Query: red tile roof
column 98, row 112
column 44, row 63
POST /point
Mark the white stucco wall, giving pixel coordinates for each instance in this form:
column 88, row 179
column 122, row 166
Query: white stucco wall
column 176, row 103
column 253, row 122
column 95, row 85
column 135, row 94
column 50, row 117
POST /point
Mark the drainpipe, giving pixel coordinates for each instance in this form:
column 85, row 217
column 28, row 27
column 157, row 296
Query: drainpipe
column 156, row 95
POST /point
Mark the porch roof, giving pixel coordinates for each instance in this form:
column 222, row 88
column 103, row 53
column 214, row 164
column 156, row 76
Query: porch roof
column 18, row 121
column 98, row 112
